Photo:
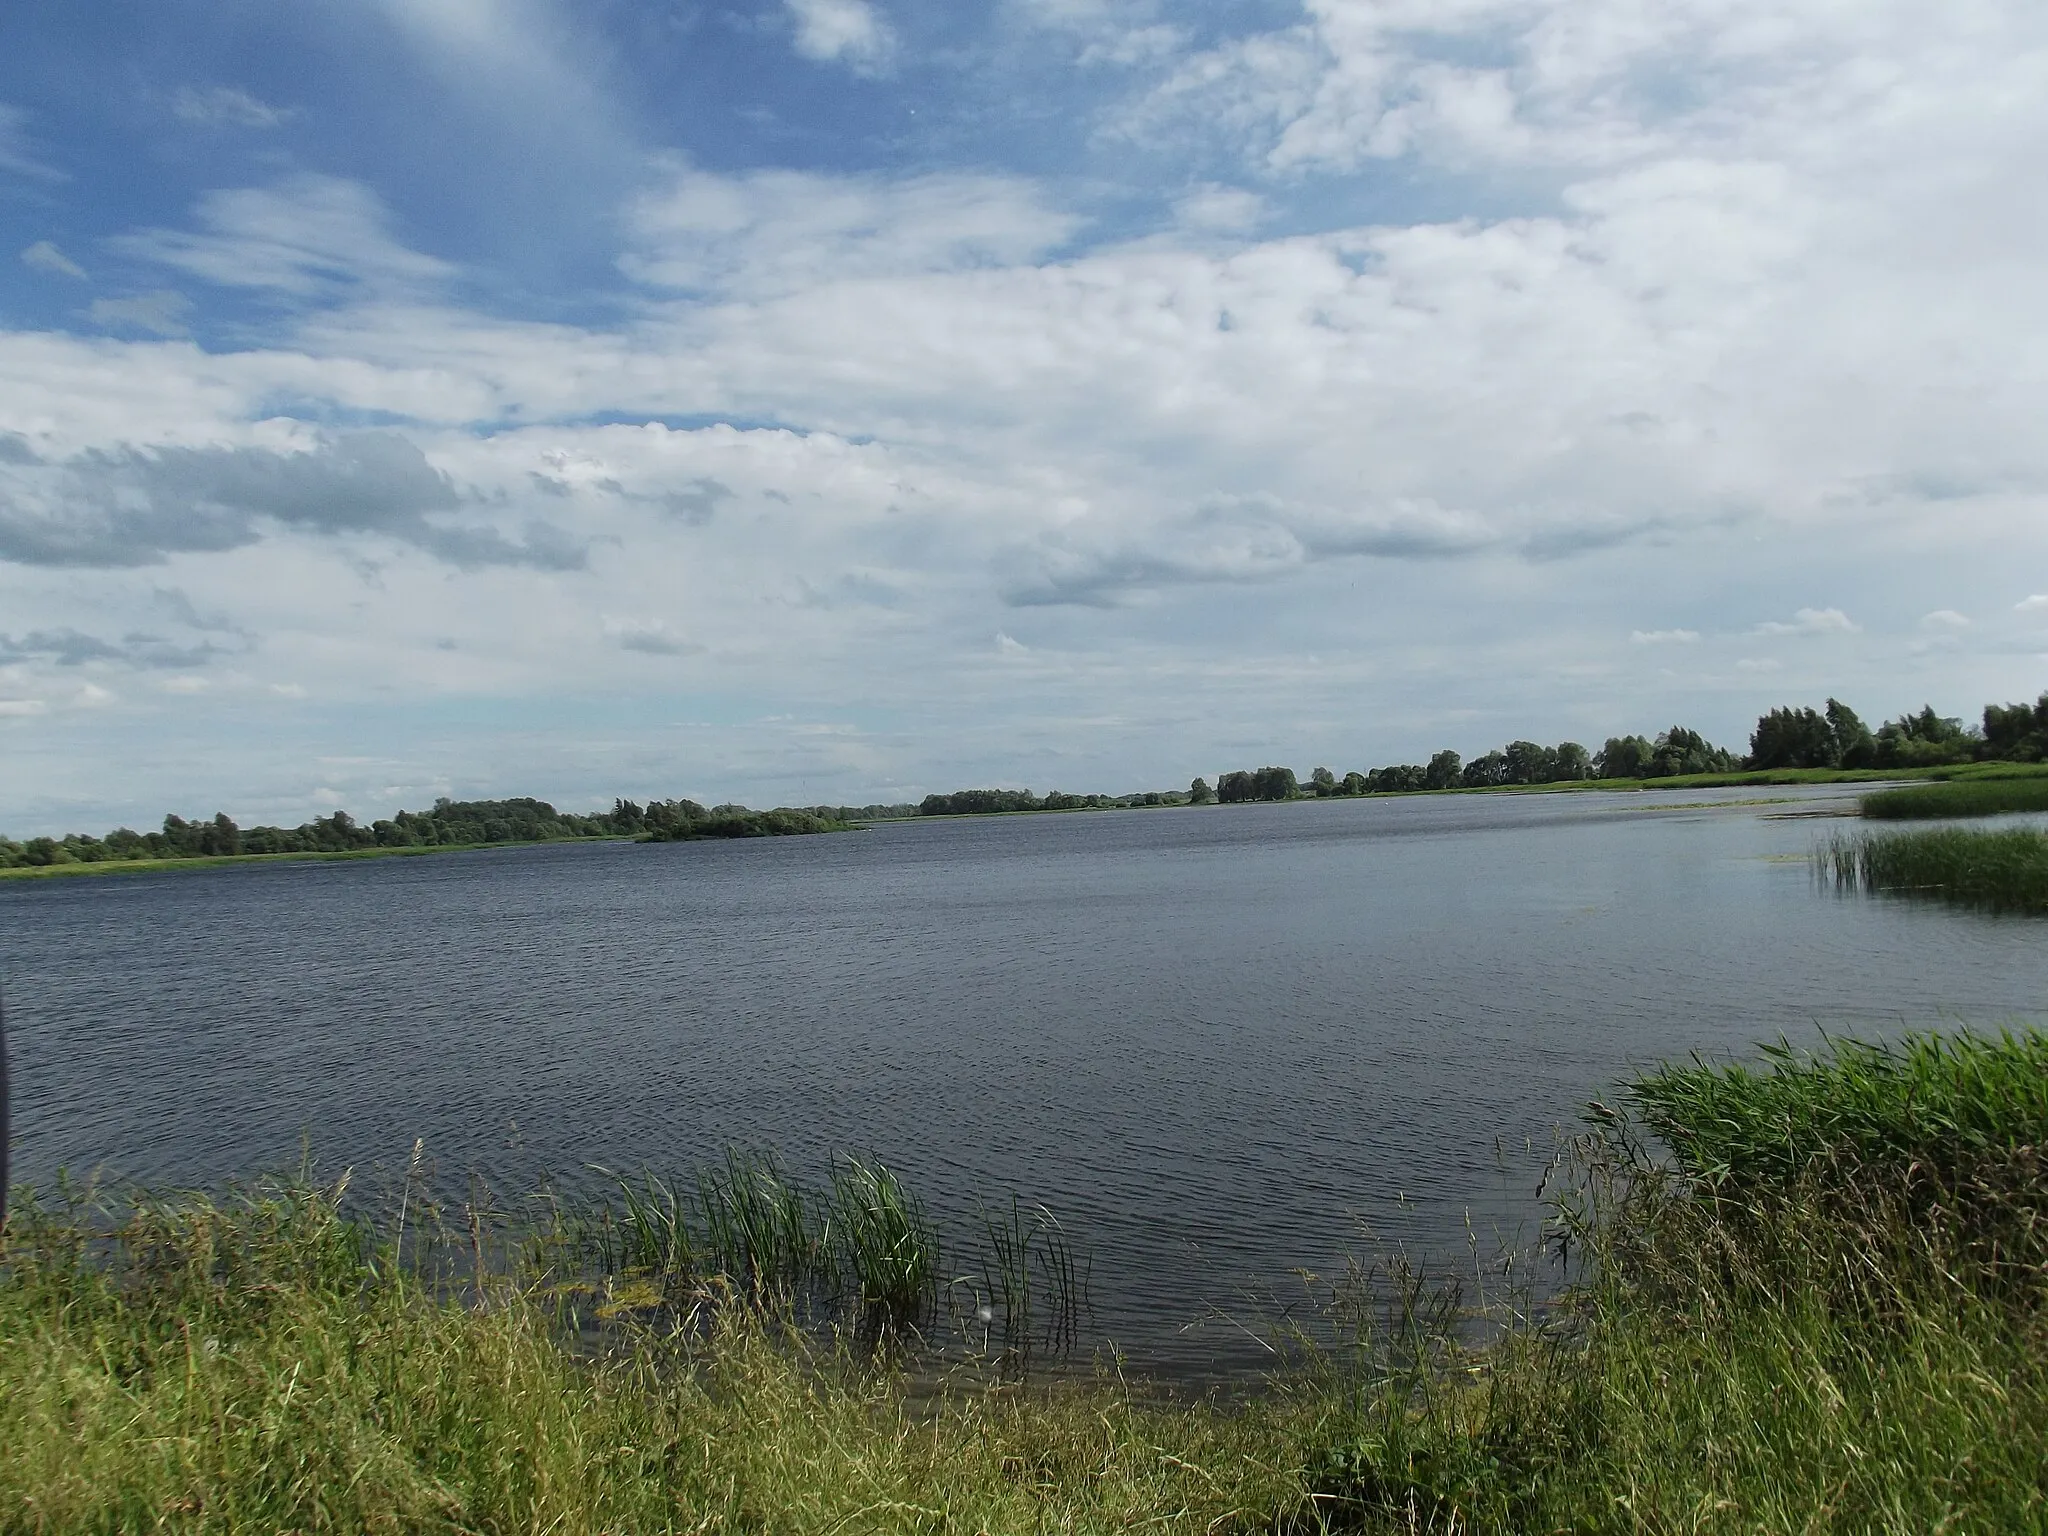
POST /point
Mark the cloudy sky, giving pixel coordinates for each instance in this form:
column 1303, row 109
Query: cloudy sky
column 828, row 400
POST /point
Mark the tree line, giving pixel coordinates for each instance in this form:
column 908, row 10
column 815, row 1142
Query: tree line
column 1785, row 737
column 451, row 823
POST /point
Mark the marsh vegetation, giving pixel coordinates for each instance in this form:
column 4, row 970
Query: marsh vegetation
column 2001, row 870
column 1802, row 1296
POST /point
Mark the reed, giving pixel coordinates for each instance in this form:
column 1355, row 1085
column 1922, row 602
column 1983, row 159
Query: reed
column 1783, row 1314
column 1975, row 796
column 2000, row 871
column 1755, row 1341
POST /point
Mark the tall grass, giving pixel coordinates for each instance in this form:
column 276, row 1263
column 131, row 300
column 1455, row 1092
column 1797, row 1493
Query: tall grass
column 1808, row 1295
column 265, row 1363
column 1772, row 1328
column 1958, row 798
column 2002, row 871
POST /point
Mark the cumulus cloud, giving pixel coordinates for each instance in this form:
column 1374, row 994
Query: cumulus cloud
column 225, row 105
column 306, row 236
column 842, row 31
column 1945, row 618
column 2038, row 603
column 1664, row 637
column 1811, row 621
column 131, row 506
column 44, row 256
column 70, row 648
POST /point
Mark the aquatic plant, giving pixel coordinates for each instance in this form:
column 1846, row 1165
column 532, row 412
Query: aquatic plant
column 1977, row 795
column 2005, row 870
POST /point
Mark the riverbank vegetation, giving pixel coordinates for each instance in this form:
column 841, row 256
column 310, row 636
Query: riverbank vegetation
column 451, row 824
column 1816, row 1306
column 1790, row 745
column 2002, row 870
column 1981, row 794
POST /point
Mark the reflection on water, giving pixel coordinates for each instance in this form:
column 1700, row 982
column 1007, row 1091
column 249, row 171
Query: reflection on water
column 1214, row 1041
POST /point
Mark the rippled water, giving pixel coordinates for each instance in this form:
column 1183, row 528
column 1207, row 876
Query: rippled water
column 1214, row 1041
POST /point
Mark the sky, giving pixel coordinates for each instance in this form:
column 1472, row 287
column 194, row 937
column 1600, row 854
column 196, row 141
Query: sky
column 834, row 401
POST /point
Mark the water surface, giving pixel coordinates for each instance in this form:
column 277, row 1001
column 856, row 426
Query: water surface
column 1216, row 1041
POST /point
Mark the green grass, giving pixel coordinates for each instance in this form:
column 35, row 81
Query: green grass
column 222, row 861
column 1979, row 796
column 2001, row 871
column 1790, row 1324
column 1809, row 1295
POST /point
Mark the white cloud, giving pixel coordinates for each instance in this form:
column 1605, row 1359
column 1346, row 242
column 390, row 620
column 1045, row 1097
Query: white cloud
column 44, row 256
column 17, row 156
column 21, row 707
column 849, row 31
column 186, row 685
column 305, row 236
column 779, row 232
column 93, row 696
column 1945, row 618
column 1227, row 210
column 1663, row 636
column 225, row 105
column 1811, row 621
column 163, row 311
column 2038, row 603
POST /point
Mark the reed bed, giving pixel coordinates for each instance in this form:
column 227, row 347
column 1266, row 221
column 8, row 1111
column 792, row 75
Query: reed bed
column 1955, row 798
column 1776, row 1320
column 1999, row 871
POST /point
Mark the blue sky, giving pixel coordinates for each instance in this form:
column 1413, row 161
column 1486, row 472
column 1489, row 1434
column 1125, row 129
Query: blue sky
column 835, row 400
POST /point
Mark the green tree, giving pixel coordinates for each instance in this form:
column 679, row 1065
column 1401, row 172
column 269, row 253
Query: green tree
column 1444, row 771
column 1275, row 784
column 1235, row 788
column 1572, row 761
column 1485, row 770
column 1199, row 792
column 1793, row 738
column 1325, row 782
column 2016, row 733
column 1855, row 747
column 1624, row 757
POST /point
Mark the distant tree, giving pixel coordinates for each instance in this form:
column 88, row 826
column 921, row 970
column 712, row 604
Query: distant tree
column 1275, row 784
column 1571, row 761
column 1398, row 778
column 1488, row 769
column 1855, row 747
column 2016, row 733
column 1679, row 750
column 1199, row 792
column 1445, row 771
column 1356, row 783
column 1325, row 782
column 1793, row 738
column 1624, row 757
column 1923, row 740
column 1235, row 788
column 1528, row 763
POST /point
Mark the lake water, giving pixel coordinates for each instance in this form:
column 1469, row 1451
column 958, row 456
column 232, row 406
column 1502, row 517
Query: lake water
column 1214, row 1041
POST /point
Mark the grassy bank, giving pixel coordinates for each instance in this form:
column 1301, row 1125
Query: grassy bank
column 1976, row 796
column 221, row 861
column 1818, row 1308
column 2001, row 871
